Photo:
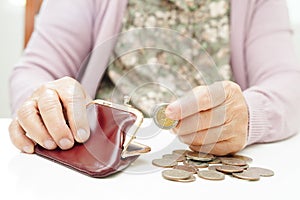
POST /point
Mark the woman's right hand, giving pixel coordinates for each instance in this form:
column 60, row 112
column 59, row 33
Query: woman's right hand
column 54, row 116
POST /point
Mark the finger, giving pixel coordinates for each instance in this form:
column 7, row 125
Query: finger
column 208, row 136
column 74, row 101
column 220, row 149
column 202, row 121
column 52, row 114
column 19, row 139
column 199, row 99
column 31, row 122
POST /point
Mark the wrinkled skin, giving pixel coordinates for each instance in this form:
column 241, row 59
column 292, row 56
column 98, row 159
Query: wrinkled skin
column 212, row 119
column 54, row 116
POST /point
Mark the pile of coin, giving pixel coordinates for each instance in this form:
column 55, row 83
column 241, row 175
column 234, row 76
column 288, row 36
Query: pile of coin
column 183, row 164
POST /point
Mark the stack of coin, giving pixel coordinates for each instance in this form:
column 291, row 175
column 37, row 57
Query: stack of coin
column 183, row 164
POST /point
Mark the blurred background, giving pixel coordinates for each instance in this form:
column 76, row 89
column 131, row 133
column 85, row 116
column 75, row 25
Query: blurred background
column 12, row 31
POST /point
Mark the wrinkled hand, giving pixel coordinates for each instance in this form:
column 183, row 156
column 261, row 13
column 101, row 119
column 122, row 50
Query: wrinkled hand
column 55, row 115
column 213, row 119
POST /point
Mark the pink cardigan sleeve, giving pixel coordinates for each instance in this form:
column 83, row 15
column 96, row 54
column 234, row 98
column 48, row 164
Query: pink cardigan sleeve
column 59, row 44
column 273, row 74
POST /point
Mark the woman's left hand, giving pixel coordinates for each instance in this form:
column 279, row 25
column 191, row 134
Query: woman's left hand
column 212, row 119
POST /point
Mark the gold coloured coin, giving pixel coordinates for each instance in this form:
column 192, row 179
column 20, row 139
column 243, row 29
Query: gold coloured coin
column 211, row 175
column 160, row 118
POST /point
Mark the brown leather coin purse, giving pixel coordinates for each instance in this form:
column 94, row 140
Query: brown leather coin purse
column 110, row 148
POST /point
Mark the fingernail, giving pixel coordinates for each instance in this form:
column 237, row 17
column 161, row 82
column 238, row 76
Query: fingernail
column 172, row 110
column 49, row 144
column 27, row 149
column 65, row 143
column 82, row 135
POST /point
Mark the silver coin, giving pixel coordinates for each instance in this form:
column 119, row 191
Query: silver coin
column 242, row 157
column 176, row 157
column 236, row 165
column 215, row 161
column 229, row 169
column 211, row 175
column 245, row 166
column 247, row 175
column 196, row 163
column 261, row 171
column 180, row 151
column 160, row 118
column 166, row 163
column 176, row 174
column 233, row 161
column 200, row 156
column 188, row 168
column 191, row 179
column 213, row 167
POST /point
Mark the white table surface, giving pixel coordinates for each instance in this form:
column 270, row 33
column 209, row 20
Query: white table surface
column 32, row 177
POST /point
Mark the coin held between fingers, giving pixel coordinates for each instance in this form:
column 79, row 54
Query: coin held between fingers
column 160, row 118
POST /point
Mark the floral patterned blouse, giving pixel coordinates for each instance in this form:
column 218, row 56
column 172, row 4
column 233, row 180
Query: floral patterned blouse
column 151, row 76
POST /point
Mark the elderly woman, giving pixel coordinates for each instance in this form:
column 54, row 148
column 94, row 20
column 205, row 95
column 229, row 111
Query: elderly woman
column 250, row 41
